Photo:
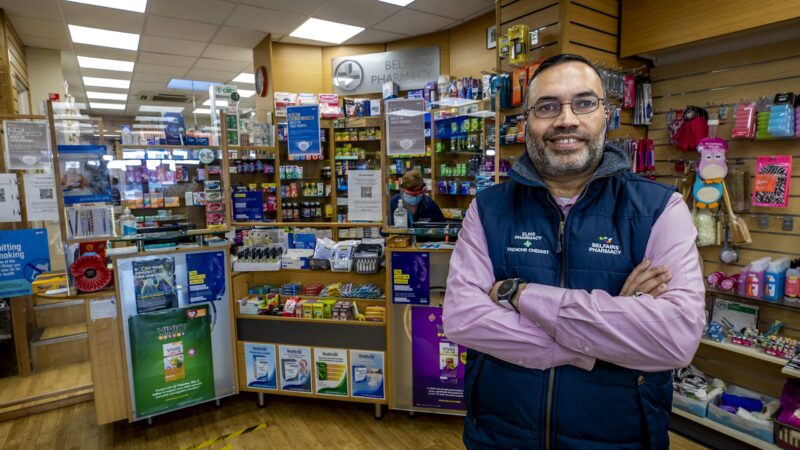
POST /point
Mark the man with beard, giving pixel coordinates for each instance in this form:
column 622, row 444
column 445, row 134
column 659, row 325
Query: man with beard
column 576, row 285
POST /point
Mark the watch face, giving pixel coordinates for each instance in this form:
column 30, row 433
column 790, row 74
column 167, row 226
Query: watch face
column 506, row 288
column 261, row 81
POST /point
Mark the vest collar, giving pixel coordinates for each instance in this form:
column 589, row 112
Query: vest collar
column 614, row 162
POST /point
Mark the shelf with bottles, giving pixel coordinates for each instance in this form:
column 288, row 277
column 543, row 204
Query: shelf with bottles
column 296, row 211
column 362, row 134
column 353, row 153
column 251, row 167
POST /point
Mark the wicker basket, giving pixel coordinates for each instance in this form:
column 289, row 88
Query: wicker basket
column 345, row 265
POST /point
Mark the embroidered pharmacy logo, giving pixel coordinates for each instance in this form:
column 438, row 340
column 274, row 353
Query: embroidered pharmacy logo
column 348, row 75
column 523, row 243
column 605, row 245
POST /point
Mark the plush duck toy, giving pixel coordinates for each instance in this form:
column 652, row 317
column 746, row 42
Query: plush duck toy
column 711, row 170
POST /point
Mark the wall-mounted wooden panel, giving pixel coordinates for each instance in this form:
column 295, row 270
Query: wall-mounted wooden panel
column 591, row 18
column 514, row 11
column 544, row 17
column 578, row 34
column 684, row 21
column 262, row 56
column 297, row 68
column 608, row 7
column 468, row 52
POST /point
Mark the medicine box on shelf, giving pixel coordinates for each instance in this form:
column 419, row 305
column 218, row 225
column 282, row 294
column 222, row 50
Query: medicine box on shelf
column 691, row 405
column 747, row 426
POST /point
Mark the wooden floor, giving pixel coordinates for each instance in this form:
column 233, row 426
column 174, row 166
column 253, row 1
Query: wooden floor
column 292, row 423
column 62, row 378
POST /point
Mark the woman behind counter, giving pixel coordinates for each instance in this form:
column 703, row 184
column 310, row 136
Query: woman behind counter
column 420, row 206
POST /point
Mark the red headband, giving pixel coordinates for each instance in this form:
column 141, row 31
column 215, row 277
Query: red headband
column 419, row 191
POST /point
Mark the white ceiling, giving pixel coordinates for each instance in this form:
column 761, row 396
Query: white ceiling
column 212, row 40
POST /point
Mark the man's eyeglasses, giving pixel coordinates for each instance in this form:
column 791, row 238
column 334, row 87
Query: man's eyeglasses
column 548, row 109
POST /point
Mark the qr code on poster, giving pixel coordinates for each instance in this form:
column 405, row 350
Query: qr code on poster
column 2, row 195
column 366, row 191
column 46, row 194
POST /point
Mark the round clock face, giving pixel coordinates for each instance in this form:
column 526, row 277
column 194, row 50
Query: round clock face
column 261, row 81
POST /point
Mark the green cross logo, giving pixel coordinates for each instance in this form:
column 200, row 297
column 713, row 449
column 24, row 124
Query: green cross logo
column 528, row 244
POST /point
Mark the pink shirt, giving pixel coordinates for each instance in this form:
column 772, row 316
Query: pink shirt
column 559, row 326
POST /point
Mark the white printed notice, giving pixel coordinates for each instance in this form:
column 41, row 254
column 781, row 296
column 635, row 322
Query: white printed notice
column 27, row 145
column 10, row 210
column 364, row 195
column 40, row 198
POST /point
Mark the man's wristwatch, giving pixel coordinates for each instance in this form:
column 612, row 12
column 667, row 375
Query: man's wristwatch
column 506, row 292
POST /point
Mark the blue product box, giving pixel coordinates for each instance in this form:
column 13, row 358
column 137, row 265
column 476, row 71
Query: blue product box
column 306, row 241
column 175, row 128
column 248, row 206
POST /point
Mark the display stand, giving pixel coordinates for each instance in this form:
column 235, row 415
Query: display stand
column 176, row 317
column 269, row 334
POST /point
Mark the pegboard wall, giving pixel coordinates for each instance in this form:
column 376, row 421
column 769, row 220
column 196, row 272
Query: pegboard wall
column 725, row 80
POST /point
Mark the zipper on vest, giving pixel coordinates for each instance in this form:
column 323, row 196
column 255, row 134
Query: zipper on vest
column 548, row 419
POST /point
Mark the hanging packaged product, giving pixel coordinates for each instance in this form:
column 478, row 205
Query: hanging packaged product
column 763, row 113
column 518, row 43
column 744, row 126
column 518, row 84
column 772, row 181
column 503, row 47
column 688, row 127
column 781, row 117
column 629, row 92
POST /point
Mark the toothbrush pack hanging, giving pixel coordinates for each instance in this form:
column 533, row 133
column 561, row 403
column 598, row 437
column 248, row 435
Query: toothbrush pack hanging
column 643, row 110
column 688, row 127
column 773, row 176
column 641, row 153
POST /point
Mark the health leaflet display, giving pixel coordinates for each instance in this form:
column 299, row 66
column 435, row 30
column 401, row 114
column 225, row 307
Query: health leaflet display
column 260, row 366
column 437, row 364
column 411, row 278
column 155, row 284
column 206, row 276
column 366, row 372
column 295, row 365
column 172, row 361
column 330, row 371
column 24, row 255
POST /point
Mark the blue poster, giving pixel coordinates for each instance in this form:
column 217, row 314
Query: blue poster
column 248, row 206
column 175, row 128
column 260, row 366
column 24, row 254
column 84, row 174
column 206, row 273
column 366, row 374
column 303, row 132
column 411, row 278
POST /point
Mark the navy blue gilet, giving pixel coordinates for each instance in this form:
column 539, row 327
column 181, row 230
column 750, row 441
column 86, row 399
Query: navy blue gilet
column 604, row 238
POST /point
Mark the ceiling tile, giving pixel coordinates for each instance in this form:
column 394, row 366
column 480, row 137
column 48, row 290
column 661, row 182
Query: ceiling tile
column 301, row 41
column 147, row 86
column 361, row 13
column 212, row 75
column 176, row 71
column 179, row 29
column 270, row 21
column 217, row 64
column 457, row 9
column 304, row 7
column 154, row 78
column 104, row 52
column 209, row 11
column 238, row 37
column 39, row 9
column 413, row 23
column 169, row 60
column 36, row 41
column 46, row 29
column 229, row 53
column 104, row 18
column 105, row 74
column 373, row 37
column 172, row 46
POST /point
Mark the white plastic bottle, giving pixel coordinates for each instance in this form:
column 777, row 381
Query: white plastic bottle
column 400, row 216
column 127, row 223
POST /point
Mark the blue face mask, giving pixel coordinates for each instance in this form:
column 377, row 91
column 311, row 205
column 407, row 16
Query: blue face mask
column 411, row 200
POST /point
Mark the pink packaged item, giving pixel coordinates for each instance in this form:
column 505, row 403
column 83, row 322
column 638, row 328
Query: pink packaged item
column 744, row 126
column 629, row 92
column 773, row 177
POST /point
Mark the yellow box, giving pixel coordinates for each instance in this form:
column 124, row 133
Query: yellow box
column 48, row 281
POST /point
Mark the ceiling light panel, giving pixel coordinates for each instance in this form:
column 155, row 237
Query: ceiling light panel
column 397, row 2
column 202, row 111
column 107, row 82
column 245, row 78
column 107, row 96
column 104, row 38
column 190, row 85
column 128, row 5
column 94, row 105
column 325, row 31
column 105, row 64
column 245, row 93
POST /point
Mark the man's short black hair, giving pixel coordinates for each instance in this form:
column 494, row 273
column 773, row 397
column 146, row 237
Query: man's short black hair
column 556, row 60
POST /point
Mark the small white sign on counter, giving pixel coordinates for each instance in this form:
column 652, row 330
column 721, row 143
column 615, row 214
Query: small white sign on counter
column 103, row 309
